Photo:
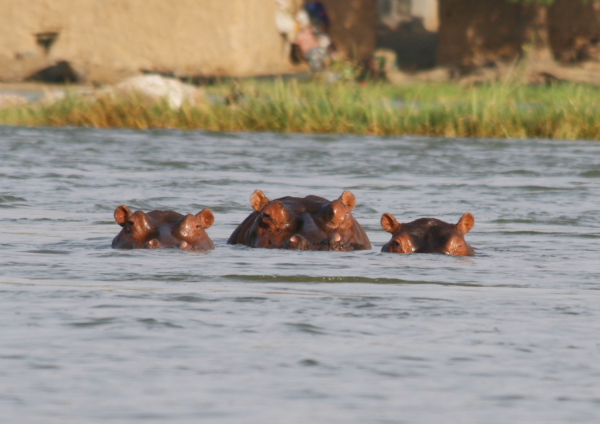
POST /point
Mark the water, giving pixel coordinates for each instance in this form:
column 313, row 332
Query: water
column 94, row 335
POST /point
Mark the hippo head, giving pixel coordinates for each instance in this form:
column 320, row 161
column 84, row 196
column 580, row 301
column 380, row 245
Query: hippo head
column 309, row 223
column 156, row 229
column 428, row 235
column 336, row 215
column 273, row 225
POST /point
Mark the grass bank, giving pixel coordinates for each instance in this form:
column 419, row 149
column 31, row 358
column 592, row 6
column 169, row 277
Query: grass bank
column 564, row 111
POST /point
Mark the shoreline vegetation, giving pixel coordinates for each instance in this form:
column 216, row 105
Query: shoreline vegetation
column 495, row 110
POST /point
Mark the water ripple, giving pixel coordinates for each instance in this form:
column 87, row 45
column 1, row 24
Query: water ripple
column 91, row 334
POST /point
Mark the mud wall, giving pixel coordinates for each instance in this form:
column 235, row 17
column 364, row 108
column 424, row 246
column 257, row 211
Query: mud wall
column 105, row 40
column 474, row 32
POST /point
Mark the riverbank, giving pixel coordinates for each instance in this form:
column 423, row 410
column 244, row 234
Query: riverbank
column 561, row 111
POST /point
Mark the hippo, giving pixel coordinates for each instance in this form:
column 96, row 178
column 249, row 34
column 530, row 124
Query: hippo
column 294, row 223
column 428, row 235
column 156, row 229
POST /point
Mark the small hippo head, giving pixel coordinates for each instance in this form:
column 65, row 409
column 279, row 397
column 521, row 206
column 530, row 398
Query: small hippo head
column 428, row 235
column 273, row 225
column 336, row 215
column 156, row 229
column 309, row 223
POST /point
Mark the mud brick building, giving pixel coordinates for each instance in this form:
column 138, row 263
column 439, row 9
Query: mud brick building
column 107, row 40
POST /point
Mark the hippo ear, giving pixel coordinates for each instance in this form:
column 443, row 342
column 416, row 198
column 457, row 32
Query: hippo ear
column 258, row 200
column 122, row 213
column 389, row 223
column 206, row 217
column 466, row 222
column 348, row 200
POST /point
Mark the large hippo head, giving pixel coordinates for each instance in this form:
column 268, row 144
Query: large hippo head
column 428, row 235
column 309, row 223
column 156, row 229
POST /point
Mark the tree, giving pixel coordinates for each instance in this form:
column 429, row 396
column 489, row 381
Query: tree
column 520, row 38
column 537, row 36
column 540, row 56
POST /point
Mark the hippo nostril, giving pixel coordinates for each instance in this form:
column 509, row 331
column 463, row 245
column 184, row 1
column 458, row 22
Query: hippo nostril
column 152, row 244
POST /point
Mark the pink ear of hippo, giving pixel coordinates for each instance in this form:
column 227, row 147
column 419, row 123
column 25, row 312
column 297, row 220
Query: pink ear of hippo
column 348, row 200
column 122, row 213
column 206, row 217
column 389, row 223
column 466, row 223
column 258, row 200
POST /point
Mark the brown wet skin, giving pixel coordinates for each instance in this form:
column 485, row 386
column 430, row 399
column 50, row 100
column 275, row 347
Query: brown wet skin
column 309, row 223
column 428, row 235
column 156, row 229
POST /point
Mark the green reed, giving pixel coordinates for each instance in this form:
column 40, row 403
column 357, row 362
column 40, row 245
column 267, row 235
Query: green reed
column 565, row 111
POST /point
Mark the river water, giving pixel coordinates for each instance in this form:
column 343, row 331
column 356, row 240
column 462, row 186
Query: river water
column 95, row 335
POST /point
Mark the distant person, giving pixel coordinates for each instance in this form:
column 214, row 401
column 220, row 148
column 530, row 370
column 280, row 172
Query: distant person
column 318, row 16
column 307, row 31
column 312, row 43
